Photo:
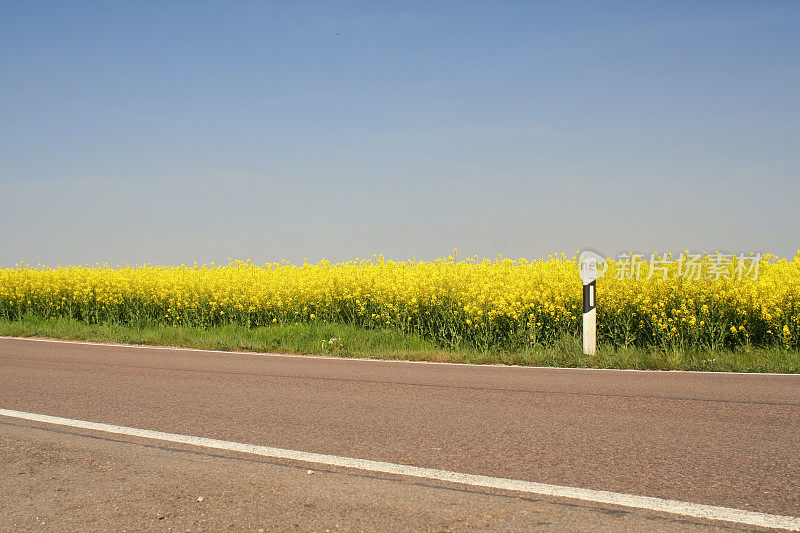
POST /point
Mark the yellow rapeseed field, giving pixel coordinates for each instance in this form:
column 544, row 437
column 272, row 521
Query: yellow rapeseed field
column 489, row 303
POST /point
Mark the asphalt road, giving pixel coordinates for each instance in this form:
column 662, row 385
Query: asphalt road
column 718, row 439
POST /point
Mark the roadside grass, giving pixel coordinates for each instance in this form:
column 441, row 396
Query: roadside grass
column 343, row 340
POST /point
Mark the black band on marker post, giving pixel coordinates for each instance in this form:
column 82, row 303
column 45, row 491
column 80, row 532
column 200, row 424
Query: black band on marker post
column 589, row 296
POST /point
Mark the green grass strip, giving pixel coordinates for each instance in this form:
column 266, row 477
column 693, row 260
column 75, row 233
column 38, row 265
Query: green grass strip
column 350, row 341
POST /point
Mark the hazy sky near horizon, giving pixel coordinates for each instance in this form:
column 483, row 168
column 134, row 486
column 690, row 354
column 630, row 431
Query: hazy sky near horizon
column 178, row 131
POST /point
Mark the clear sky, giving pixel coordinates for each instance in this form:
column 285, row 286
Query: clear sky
column 171, row 132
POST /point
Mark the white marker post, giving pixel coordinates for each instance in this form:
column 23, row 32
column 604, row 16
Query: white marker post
column 589, row 278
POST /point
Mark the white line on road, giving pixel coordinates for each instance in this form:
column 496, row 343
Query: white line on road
column 393, row 361
column 695, row 510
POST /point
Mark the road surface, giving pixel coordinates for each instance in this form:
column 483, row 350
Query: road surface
column 725, row 440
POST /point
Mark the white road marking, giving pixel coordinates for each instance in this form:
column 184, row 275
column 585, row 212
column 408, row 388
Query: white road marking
column 709, row 512
column 393, row 361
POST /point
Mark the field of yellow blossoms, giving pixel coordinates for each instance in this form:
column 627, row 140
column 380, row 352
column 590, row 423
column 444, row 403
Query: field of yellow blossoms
column 488, row 304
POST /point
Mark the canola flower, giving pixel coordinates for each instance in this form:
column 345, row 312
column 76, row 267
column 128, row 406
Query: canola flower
column 489, row 303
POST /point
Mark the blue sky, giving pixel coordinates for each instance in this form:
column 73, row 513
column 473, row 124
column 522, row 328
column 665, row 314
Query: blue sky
column 178, row 131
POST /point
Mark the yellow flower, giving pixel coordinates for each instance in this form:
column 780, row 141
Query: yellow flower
column 473, row 300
